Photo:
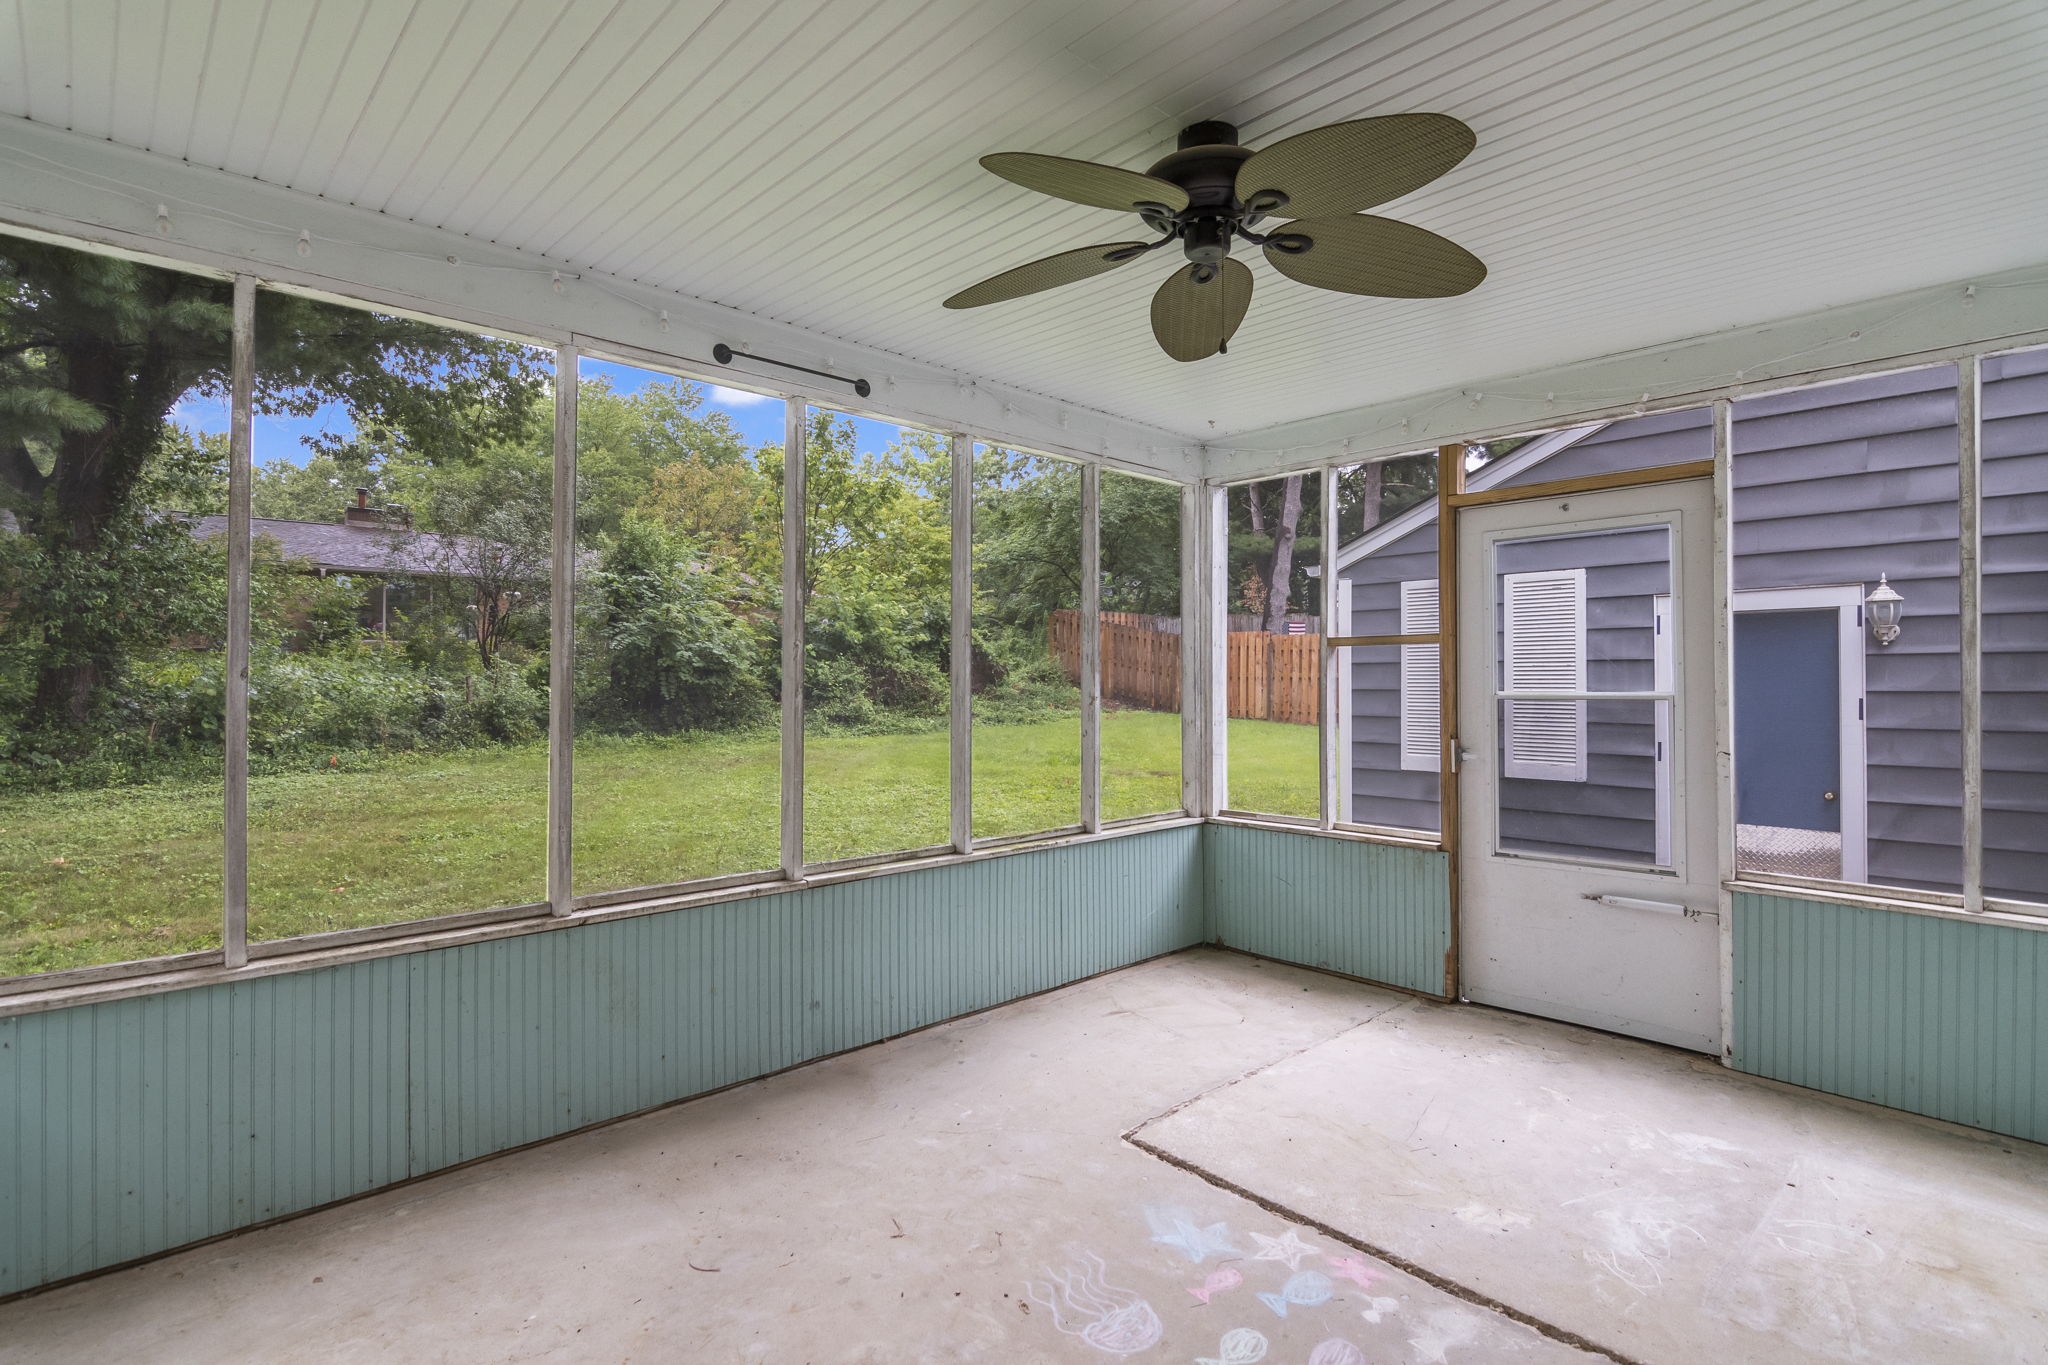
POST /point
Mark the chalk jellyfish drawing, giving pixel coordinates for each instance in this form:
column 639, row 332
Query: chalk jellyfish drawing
column 1240, row 1346
column 1304, row 1289
column 1336, row 1351
column 1177, row 1228
column 1289, row 1248
column 1220, row 1279
column 1085, row 1305
column 1353, row 1269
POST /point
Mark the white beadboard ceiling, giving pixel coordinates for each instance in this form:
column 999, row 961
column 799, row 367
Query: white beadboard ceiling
column 1647, row 169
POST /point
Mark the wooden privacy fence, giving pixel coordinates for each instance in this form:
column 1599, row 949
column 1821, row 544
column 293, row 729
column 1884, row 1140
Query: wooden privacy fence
column 1272, row 677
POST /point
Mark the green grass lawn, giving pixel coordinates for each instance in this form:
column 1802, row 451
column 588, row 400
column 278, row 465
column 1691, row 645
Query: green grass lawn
column 105, row 876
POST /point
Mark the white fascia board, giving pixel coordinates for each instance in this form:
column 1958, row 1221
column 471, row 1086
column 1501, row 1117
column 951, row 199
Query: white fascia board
column 1501, row 470
column 1986, row 313
column 85, row 189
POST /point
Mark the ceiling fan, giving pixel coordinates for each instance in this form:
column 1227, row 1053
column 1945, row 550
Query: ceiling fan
column 1212, row 192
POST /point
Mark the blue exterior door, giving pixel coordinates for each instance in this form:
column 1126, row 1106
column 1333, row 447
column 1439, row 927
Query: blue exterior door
column 1788, row 720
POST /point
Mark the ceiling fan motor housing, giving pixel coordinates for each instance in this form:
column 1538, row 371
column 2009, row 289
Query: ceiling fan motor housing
column 1206, row 167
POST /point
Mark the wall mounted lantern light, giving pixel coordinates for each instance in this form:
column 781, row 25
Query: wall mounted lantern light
column 1882, row 609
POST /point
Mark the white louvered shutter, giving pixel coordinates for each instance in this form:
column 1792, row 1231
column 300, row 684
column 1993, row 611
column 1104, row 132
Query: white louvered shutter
column 1421, row 680
column 1543, row 629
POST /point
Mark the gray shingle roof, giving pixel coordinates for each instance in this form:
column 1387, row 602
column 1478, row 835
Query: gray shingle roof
column 352, row 549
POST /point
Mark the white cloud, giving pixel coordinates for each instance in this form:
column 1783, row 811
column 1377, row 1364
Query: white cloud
column 736, row 398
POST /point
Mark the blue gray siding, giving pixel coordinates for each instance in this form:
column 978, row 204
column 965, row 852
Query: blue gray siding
column 1836, row 484
column 1614, row 815
column 2016, row 625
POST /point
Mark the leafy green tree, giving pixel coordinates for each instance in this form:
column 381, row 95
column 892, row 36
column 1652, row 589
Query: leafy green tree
column 623, row 441
column 95, row 354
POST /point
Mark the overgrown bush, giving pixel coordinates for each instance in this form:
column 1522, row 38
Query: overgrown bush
column 665, row 649
column 872, row 661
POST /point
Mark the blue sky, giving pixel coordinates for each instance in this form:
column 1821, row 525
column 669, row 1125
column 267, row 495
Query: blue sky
column 758, row 417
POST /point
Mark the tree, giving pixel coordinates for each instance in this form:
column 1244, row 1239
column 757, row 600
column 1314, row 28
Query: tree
column 494, row 525
column 1274, row 525
column 95, row 354
column 673, row 655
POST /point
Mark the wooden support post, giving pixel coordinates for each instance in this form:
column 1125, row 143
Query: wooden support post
column 1450, row 485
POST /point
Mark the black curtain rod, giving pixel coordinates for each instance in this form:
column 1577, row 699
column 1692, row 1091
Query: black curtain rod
column 725, row 355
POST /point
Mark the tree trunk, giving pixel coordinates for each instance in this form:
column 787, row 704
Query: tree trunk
column 1281, row 573
column 91, row 480
column 1372, row 479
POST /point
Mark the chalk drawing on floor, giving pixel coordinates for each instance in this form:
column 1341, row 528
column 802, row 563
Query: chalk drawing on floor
column 1354, row 1269
column 1287, row 1247
column 1304, row 1289
column 1240, row 1346
column 1376, row 1309
column 1222, row 1278
column 1084, row 1304
column 1336, row 1351
column 1177, row 1228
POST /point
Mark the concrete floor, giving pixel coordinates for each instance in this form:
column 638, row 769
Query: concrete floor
column 1297, row 1145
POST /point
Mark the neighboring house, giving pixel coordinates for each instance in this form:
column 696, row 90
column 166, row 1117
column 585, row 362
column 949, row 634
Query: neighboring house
column 369, row 542
column 1848, row 751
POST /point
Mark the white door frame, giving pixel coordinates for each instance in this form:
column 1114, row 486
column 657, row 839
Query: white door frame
column 1639, row 959
column 1846, row 601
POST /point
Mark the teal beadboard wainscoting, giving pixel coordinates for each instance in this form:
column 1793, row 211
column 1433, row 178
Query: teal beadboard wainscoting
column 133, row 1126
column 1377, row 911
column 1936, row 1015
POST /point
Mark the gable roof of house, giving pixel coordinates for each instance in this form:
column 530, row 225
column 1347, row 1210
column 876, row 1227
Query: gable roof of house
column 1486, row 476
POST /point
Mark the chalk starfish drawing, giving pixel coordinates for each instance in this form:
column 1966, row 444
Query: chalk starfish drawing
column 1085, row 1305
column 1354, row 1269
column 1375, row 1309
column 1240, row 1346
column 1305, row 1289
column 1336, row 1351
column 1222, row 1278
column 1289, row 1248
column 1177, row 1228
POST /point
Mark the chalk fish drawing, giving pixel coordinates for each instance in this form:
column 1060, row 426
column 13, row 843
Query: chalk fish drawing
column 1177, row 1228
column 1446, row 1328
column 1240, row 1346
column 1375, row 1309
column 1354, row 1269
column 1221, row 1278
column 1085, row 1305
column 1336, row 1351
column 1304, row 1289
column 1289, row 1248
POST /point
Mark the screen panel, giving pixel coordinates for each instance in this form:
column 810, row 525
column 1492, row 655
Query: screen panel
column 398, row 662
column 113, row 571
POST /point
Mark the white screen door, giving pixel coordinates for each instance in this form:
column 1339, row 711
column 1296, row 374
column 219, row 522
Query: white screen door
column 1585, row 732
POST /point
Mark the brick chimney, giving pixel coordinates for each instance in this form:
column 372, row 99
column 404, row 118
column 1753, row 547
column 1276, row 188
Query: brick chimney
column 362, row 516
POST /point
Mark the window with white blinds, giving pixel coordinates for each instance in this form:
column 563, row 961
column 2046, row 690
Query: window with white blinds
column 1543, row 642
column 1421, row 680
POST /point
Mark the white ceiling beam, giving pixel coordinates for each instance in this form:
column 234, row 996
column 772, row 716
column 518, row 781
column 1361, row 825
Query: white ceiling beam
column 1989, row 312
column 70, row 186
